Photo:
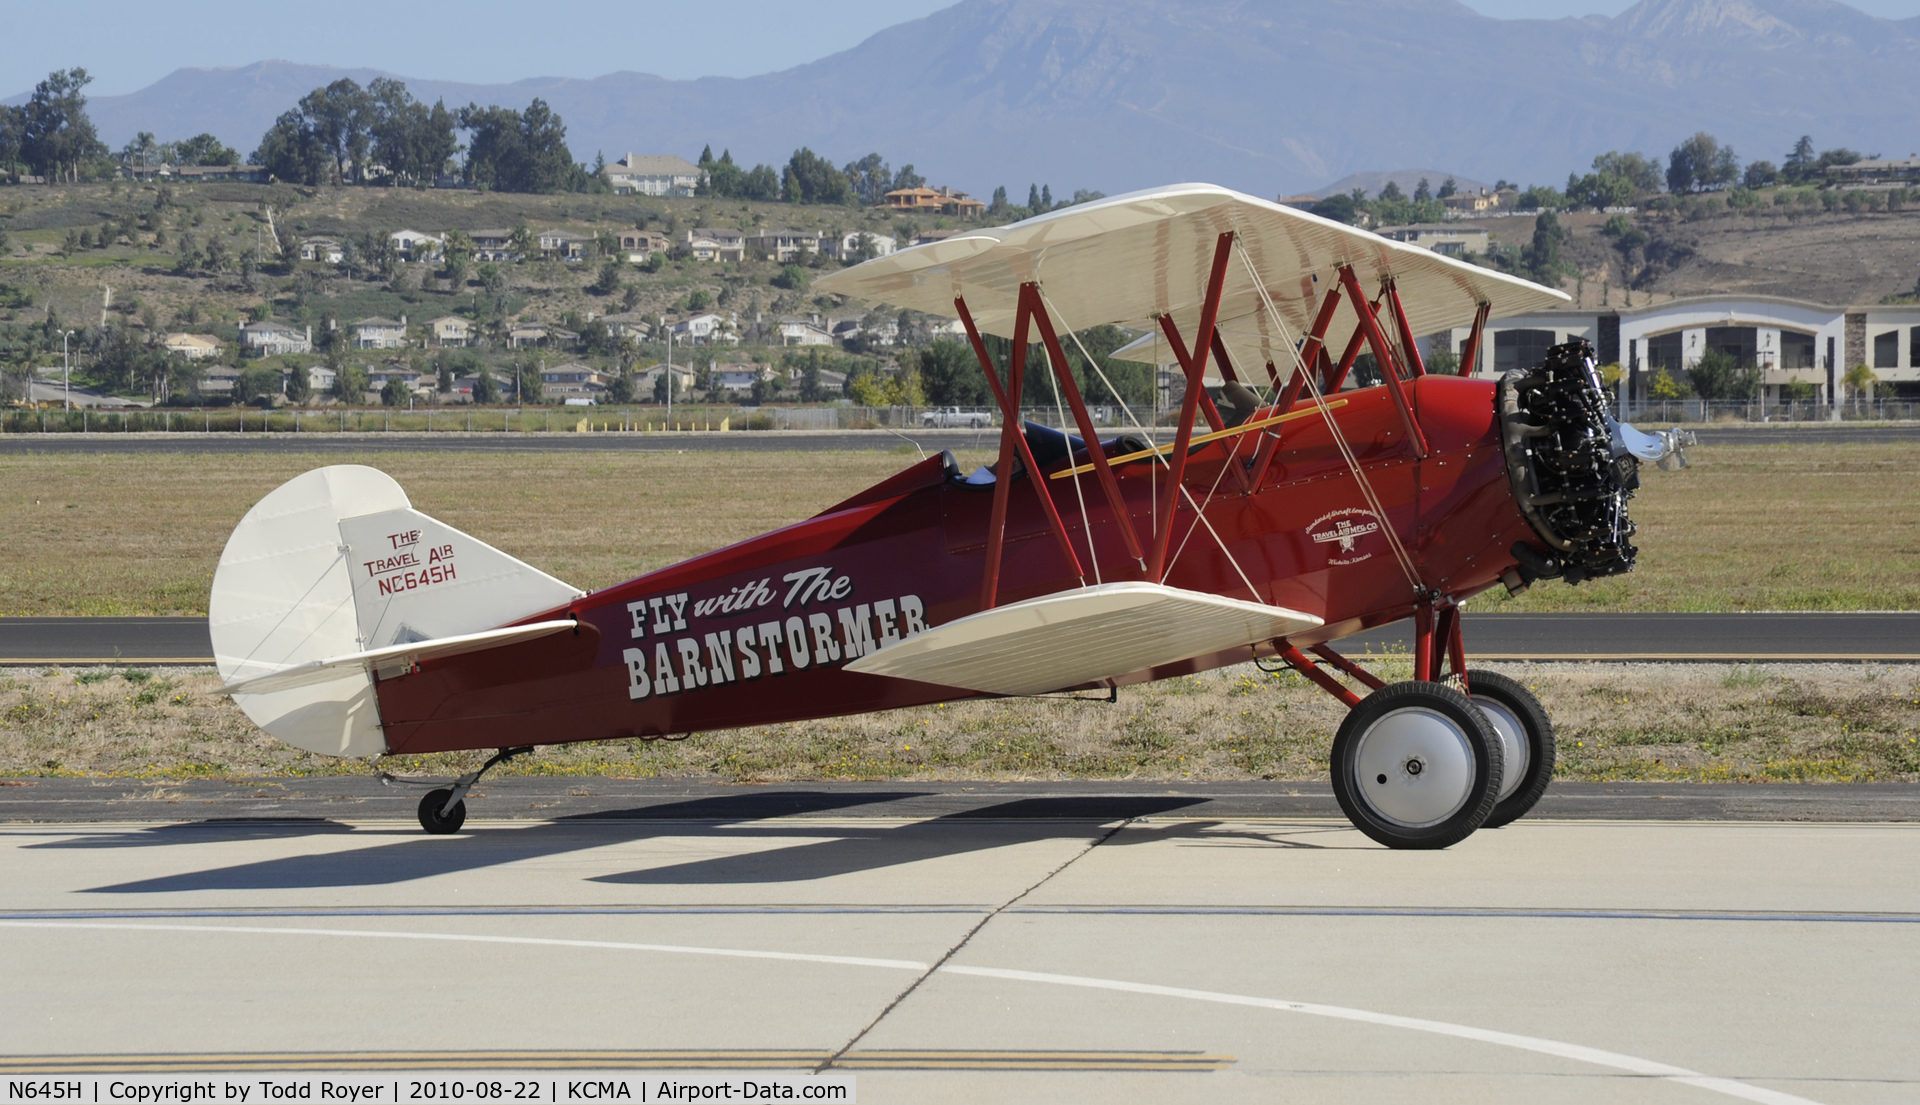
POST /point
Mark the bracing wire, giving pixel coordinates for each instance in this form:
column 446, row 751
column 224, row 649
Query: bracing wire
column 1184, row 493
column 1060, row 413
column 1400, row 554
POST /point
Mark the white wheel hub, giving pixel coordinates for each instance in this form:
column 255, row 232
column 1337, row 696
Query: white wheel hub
column 1414, row 766
column 1513, row 741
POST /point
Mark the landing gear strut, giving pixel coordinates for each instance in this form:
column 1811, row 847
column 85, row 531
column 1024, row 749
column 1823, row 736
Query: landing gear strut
column 444, row 810
column 1424, row 763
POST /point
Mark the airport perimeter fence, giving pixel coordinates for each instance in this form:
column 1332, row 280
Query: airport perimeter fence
column 692, row 418
column 642, row 419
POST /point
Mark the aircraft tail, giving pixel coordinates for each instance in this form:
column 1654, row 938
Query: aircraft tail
column 336, row 566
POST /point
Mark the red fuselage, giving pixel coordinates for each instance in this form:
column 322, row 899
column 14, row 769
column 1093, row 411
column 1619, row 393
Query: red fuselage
column 758, row 632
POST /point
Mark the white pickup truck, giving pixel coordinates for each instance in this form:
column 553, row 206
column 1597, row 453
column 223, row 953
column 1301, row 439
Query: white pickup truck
column 952, row 417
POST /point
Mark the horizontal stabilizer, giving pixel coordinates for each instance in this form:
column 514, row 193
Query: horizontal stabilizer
column 1081, row 636
column 393, row 656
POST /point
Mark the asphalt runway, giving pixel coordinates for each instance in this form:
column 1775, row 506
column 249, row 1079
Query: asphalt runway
column 1127, row 953
column 931, row 441
column 1541, row 637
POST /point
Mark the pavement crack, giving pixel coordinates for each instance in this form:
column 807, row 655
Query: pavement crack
column 967, row 937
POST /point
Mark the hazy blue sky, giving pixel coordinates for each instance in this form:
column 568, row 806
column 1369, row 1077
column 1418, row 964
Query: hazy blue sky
column 129, row 44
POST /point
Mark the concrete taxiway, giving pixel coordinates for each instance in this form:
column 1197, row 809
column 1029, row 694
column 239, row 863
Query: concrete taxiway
column 1126, row 954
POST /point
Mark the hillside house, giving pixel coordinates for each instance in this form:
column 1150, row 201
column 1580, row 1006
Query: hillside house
column 535, row 333
column 565, row 245
column 412, row 245
column 325, row 250
column 493, row 245
column 450, row 331
column 379, row 333
column 194, row 347
column 638, row 245
column 573, row 381
column 275, row 339
column 1482, row 202
column 655, row 175
column 629, row 324
column 1876, row 171
column 648, row 379
column 784, row 245
column 706, row 329
column 857, row 245
column 713, row 243
column 1447, row 239
column 793, row 330
column 218, row 382
column 942, row 200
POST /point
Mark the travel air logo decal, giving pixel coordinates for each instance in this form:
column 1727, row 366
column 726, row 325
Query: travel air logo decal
column 1345, row 531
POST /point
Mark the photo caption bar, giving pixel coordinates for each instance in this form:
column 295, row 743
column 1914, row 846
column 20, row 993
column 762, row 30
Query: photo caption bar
column 410, row 1088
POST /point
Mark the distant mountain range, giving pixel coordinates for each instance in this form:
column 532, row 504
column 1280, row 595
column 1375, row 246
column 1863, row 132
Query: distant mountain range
column 1271, row 96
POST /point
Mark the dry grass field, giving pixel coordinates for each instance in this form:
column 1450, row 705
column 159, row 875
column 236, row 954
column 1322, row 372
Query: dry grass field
column 1701, row 722
column 1762, row 527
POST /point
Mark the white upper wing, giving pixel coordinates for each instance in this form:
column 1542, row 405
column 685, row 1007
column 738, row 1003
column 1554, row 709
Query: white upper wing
column 1129, row 259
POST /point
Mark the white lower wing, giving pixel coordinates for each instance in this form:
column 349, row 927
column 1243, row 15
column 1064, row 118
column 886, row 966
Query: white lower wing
column 1080, row 636
column 395, row 656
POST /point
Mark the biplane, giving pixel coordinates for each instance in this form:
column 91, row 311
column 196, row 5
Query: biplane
column 1279, row 507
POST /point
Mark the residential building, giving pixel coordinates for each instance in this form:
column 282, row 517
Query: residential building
column 535, row 333
column 573, row 381
column 273, row 339
column 1791, row 342
column 649, row 378
column 1877, row 170
column 706, row 329
column 412, row 245
column 566, row 245
column 1481, row 202
column 655, row 175
column 319, row 379
column 493, row 245
column 325, row 250
column 714, row 243
column 741, row 378
column 1450, row 239
column 379, row 333
column 638, row 245
column 857, row 244
column 450, row 331
column 194, row 174
column 793, row 330
column 784, row 245
column 630, row 324
column 943, row 200
column 194, row 347
column 218, row 382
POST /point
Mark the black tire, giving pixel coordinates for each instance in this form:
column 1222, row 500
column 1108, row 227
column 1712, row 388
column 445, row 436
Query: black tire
column 1416, row 765
column 1527, row 776
column 431, row 818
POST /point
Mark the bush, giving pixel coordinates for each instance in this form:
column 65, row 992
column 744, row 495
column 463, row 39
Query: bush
column 1664, row 386
column 791, row 277
column 1717, row 376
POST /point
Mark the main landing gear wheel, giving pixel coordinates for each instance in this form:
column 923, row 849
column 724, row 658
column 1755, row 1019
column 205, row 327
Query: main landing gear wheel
column 436, row 822
column 1526, row 736
column 1417, row 765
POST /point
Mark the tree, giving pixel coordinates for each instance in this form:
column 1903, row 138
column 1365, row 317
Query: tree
column 608, row 282
column 724, row 178
column 299, row 385
column 204, row 149
column 951, row 375
column 1701, row 164
column 999, row 204
column 620, row 388
column 1542, row 256
column 1760, row 174
column 810, row 390
column 512, row 151
column 485, row 390
column 1799, row 162
column 810, row 178
column 762, row 184
column 55, row 134
column 1339, row 208
column 1033, row 199
column 792, row 278
column 1664, row 386
column 292, row 151
column 1642, row 174
column 1447, row 188
column 415, row 142
column 1392, row 192
column 340, row 117
column 1422, row 192
column 870, row 179
column 1860, row 379
column 350, row 383
column 1716, row 375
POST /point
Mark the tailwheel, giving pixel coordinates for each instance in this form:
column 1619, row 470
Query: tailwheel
column 440, row 813
column 1526, row 736
column 1417, row 765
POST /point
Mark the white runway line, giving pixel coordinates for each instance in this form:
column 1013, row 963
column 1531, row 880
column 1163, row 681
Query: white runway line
column 1575, row 1052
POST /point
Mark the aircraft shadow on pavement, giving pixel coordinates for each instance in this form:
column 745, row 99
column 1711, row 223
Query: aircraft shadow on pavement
column 850, row 849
